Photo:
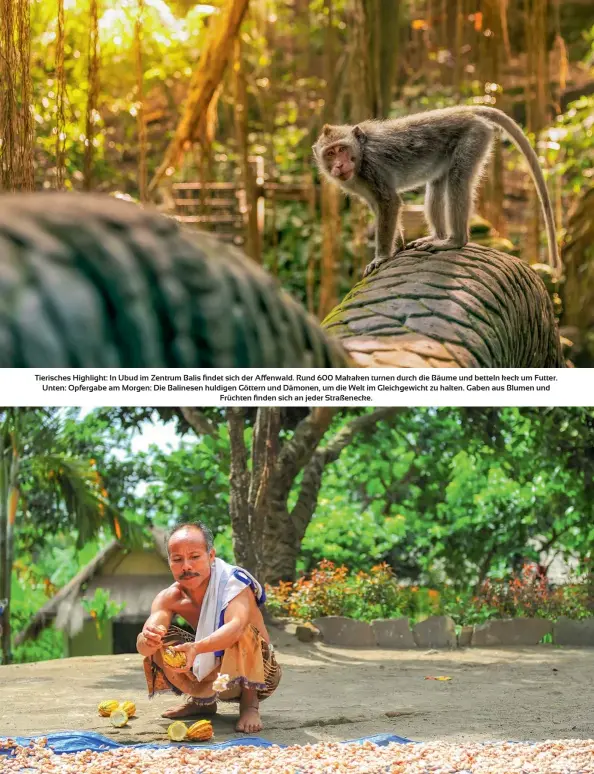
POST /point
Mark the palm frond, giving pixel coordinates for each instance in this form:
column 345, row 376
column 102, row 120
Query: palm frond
column 80, row 490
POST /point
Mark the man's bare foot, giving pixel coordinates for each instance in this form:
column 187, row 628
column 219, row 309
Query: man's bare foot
column 249, row 712
column 188, row 709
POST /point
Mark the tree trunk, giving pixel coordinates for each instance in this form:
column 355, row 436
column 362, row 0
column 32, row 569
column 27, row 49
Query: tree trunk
column 16, row 122
column 239, row 509
column 537, row 98
column 13, row 499
column 8, row 507
column 312, row 255
column 285, row 529
column 8, row 96
column 330, row 194
column 240, row 108
column 389, row 40
column 490, row 53
column 4, row 566
column 265, row 450
column 267, row 534
column 331, row 229
column 361, row 109
column 217, row 51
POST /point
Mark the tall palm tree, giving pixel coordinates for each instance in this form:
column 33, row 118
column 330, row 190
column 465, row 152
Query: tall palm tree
column 33, row 458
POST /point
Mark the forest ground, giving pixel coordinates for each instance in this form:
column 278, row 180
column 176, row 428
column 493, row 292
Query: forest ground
column 330, row 693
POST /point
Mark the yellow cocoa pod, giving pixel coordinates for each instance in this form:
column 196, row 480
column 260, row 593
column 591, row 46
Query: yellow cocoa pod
column 107, row 707
column 118, row 718
column 129, row 708
column 200, row 731
column 174, row 658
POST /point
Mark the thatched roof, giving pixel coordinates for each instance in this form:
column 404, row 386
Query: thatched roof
column 136, row 591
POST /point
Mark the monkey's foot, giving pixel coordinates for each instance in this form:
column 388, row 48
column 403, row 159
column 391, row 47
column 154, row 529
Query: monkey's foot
column 375, row 264
column 429, row 244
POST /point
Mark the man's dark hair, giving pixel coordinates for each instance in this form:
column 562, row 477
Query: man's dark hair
column 206, row 532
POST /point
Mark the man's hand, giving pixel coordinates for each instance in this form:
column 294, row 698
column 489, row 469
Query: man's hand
column 154, row 634
column 152, row 638
column 191, row 650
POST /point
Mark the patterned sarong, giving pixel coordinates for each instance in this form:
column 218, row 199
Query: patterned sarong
column 250, row 663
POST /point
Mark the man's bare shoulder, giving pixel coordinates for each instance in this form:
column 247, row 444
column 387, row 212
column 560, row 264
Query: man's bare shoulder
column 169, row 598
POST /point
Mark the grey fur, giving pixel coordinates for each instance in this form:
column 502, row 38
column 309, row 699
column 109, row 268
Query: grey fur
column 446, row 150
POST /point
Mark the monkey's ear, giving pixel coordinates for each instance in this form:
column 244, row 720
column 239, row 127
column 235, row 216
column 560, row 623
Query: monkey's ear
column 313, row 147
column 326, row 129
column 360, row 135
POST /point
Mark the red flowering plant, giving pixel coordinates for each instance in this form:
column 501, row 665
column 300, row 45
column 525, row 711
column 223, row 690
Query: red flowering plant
column 375, row 593
column 529, row 594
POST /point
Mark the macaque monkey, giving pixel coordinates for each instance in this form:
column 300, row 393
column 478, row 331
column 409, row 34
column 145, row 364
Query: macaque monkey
column 444, row 149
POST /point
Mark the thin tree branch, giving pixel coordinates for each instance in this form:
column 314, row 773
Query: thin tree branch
column 345, row 435
column 309, row 490
column 198, row 422
column 297, row 450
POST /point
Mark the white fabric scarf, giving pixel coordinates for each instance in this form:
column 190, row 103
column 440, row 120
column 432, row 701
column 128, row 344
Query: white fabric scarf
column 223, row 586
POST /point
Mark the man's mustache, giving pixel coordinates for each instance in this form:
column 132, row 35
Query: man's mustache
column 186, row 575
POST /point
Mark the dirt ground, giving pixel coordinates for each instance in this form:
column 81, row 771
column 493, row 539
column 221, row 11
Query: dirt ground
column 330, row 693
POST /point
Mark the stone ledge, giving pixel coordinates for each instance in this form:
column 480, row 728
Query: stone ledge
column 393, row 633
column 347, row 632
column 566, row 631
column 511, row 631
column 440, row 632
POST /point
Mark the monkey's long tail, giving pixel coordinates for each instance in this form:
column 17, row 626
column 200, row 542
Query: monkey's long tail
column 520, row 140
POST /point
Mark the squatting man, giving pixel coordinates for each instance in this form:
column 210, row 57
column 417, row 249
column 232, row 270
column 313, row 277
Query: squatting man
column 221, row 603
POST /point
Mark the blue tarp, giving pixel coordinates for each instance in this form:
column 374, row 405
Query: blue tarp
column 76, row 741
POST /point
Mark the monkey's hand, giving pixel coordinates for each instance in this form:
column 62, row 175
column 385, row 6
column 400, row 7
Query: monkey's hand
column 433, row 243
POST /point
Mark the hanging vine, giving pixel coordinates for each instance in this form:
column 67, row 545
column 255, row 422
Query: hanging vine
column 93, row 93
column 60, row 100
column 27, row 182
column 140, row 115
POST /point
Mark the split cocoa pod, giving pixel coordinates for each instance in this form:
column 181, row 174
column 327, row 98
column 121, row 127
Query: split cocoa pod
column 174, row 658
column 118, row 718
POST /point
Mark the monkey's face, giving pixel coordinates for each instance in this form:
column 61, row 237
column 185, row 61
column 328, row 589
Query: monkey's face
column 339, row 162
column 337, row 153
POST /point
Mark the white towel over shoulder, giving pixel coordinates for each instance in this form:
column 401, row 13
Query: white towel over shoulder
column 226, row 582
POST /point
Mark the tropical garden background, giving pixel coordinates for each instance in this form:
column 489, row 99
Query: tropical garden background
column 476, row 513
